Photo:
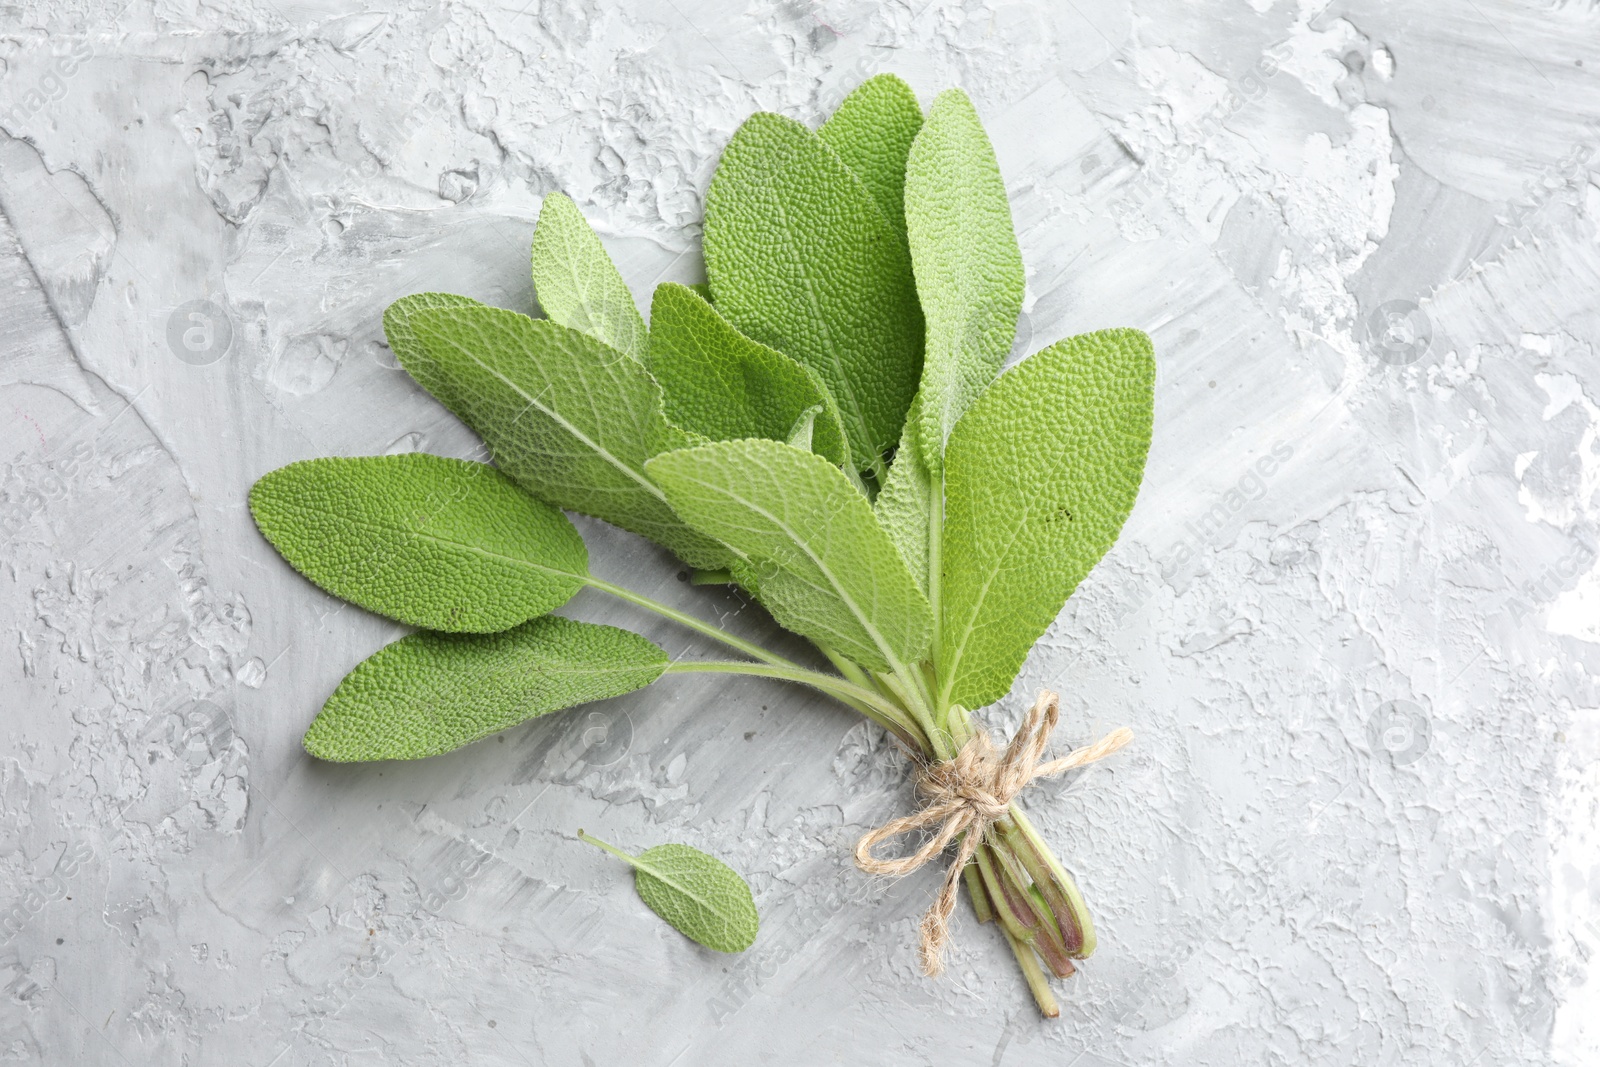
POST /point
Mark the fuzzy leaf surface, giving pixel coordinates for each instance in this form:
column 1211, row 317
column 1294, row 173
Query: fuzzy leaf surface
column 576, row 283
column 571, row 419
column 1040, row 474
column 434, row 542
column 722, row 385
column 967, row 263
column 429, row 693
column 700, row 896
column 904, row 507
column 409, row 351
column 820, row 561
column 801, row 259
column 872, row 133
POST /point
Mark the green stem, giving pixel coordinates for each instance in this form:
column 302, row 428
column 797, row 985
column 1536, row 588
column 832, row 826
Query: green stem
column 959, row 720
column 850, row 670
column 981, row 907
column 617, row 852
column 682, row 619
column 1038, row 983
column 1029, row 914
column 1056, row 903
column 899, row 687
column 1058, row 881
column 865, row 701
column 916, row 681
column 1047, row 941
column 1014, row 914
column 932, row 724
column 935, row 553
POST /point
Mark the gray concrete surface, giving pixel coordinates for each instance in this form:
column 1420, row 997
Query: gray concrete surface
column 1358, row 825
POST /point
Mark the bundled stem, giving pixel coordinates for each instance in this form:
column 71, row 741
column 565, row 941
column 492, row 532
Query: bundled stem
column 1012, row 877
column 1009, row 870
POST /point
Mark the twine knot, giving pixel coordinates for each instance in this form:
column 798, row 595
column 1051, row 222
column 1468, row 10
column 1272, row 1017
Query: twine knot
column 968, row 794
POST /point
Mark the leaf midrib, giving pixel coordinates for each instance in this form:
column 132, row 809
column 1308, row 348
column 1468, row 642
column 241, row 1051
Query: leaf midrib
column 593, row 445
column 956, row 315
column 642, row 865
column 438, row 539
column 507, row 669
column 960, row 649
column 575, row 276
column 893, row 660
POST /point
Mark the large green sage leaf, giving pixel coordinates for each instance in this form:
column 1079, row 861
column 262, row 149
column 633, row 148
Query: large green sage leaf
column 872, row 132
column 571, row 419
column 801, row 259
column 434, row 542
column 1040, row 473
column 722, row 385
column 576, row 283
column 430, row 693
column 702, row 897
column 818, row 559
column 968, row 267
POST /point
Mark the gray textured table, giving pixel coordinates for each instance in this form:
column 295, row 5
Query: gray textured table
column 1354, row 618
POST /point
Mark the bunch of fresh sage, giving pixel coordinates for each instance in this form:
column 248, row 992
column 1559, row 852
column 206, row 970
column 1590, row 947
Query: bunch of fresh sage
column 825, row 423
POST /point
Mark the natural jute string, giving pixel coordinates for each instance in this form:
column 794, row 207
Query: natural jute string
column 967, row 795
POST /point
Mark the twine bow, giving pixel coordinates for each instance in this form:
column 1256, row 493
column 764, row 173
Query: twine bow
column 967, row 795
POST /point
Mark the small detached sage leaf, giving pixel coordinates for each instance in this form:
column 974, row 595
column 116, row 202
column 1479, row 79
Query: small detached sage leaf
column 435, row 542
column 702, row 897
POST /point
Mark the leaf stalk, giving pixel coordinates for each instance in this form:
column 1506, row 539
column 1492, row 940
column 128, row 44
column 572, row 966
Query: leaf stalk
column 684, row 619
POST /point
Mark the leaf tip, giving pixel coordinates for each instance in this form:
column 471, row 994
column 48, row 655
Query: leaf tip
column 318, row 746
column 556, row 200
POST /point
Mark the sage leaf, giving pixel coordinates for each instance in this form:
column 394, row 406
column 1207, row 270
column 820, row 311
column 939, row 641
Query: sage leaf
column 904, row 507
column 576, row 283
column 967, row 263
column 801, row 259
column 434, row 542
column 429, row 693
column 1041, row 472
column 720, row 384
column 872, row 133
column 816, row 557
column 702, row 897
column 409, row 351
column 571, row 419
